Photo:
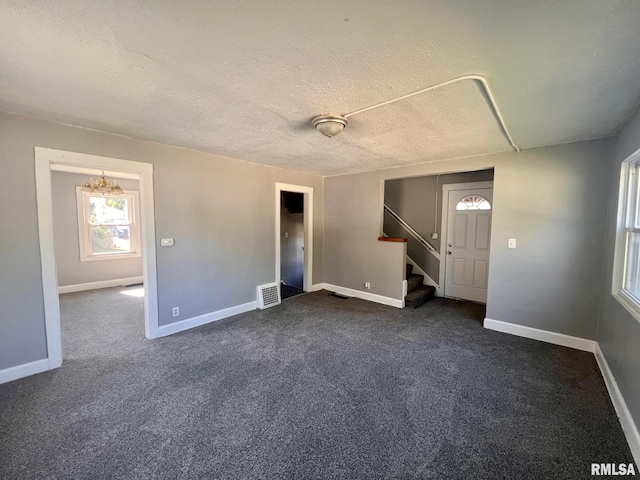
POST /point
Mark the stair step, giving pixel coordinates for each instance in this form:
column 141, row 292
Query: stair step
column 419, row 296
column 409, row 268
column 414, row 281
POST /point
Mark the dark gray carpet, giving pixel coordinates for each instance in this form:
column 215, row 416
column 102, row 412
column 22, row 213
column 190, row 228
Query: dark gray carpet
column 318, row 387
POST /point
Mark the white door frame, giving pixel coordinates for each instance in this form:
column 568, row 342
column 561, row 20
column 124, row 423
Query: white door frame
column 446, row 188
column 44, row 159
column 307, row 278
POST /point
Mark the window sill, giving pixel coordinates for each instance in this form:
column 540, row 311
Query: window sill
column 628, row 303
column 115, row 256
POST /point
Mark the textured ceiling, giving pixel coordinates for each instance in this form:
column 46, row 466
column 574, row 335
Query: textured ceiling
column 244, row 78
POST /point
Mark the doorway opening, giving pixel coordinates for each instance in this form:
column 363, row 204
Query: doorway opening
column 98, row 257
column 291, row 244
column 47, row 161
column 294, row 239
column 416, row 208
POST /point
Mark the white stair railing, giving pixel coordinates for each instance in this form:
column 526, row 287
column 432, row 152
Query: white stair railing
column 412, row 232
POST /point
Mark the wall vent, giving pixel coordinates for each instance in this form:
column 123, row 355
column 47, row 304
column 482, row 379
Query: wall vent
column 268, row 295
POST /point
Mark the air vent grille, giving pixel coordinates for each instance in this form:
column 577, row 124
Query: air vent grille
column 268, row 295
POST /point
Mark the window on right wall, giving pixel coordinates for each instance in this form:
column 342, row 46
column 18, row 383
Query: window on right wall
column 626, row 273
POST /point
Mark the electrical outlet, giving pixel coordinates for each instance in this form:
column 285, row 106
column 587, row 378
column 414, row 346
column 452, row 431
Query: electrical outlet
column 176, row 311
column 367, row 285
column 434, row 236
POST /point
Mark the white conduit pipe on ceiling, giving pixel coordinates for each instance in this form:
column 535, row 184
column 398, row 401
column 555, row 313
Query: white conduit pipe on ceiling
column 475, row 78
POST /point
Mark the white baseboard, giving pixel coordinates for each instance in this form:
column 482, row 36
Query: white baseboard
column 542, row 335
column 626, row 420
column 192, row 322
column 427, row 279
column 116, row 282
column 372, row 297
column 21, row 371
column 316, row 287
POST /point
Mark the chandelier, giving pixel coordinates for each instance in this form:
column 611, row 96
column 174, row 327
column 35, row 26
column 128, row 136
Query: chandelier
column 102, row 186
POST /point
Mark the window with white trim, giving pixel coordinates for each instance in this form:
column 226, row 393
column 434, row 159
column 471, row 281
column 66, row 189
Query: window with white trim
column 626, row 275
column 108, row 226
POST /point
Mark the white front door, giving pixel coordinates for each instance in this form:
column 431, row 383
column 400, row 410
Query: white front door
column 467, row 244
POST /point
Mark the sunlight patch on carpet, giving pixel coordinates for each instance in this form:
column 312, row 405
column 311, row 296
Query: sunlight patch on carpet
column 133, row 292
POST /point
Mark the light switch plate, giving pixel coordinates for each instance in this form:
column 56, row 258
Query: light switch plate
column 166, row 242
column 512, row 243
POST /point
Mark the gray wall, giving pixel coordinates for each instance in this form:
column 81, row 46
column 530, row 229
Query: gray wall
column 414, row 200
column 619, row 331
column 353, row 223
column 553, row 200
column 221, row 212
column 291, row 253
column 71, row 271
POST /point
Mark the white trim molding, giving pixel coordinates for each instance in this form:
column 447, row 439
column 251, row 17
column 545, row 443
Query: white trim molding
column 624, row 415
column 542, row 335
column 45, row 159
column 372, row 297
column 20, row 371
column 193, row 322
column 625, row 228
column 116, row 282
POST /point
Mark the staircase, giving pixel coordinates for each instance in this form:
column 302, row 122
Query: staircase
column 417, row 293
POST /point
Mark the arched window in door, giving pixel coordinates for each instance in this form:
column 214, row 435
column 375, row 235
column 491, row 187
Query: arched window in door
column 473, row 202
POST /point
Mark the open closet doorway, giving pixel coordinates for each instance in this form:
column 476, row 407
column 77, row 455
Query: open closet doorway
column 294, row 239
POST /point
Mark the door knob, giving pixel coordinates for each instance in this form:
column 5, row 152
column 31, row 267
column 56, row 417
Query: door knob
column 451, row 245
column 449, row 252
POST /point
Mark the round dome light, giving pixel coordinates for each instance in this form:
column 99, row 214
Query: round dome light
column 330, row 125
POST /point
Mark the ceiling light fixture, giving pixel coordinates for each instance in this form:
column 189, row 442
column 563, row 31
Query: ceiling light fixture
column 331, row 125
column 102, row 186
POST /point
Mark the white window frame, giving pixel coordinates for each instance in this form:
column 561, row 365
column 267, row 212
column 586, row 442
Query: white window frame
column 84, row 230
column 628, row 202
column 477, row 209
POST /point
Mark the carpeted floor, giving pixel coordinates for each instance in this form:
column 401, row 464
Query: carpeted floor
column 317, row 387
